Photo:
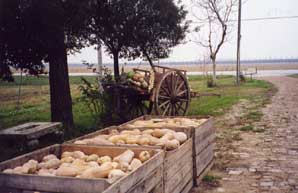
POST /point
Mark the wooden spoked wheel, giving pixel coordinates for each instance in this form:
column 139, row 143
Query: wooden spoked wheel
column 172, row 95
column 133, row 107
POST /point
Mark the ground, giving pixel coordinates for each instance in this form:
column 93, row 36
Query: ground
column 258, row 156
column 35, row 106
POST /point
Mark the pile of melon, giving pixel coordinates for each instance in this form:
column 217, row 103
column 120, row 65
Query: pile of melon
column 164, row 138
column 137, row 79
column 78, row 164
column 167, row 122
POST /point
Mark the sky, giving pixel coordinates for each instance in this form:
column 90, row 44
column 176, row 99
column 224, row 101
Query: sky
column 260, row 39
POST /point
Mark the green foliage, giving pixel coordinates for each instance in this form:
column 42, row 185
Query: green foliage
column 131, row 29
column 294, row 76
column 31, row 30
column 210, row 178
column 41, row 81
column 255, row 115
column 247, row 128
column 99, row 102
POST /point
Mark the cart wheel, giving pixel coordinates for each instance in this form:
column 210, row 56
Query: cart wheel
column 172, row 94
column 132, row 107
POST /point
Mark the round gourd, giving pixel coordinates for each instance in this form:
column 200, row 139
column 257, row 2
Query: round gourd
column 92, row 157
column 144, row 156
column 104, row 159
column 180, row 136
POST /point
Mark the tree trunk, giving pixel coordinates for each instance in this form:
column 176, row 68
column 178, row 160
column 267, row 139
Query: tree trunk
column 61, row 104
column 116, row 65
column 214, row 70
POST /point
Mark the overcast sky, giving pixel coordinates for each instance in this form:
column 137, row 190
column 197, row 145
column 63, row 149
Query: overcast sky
column 260, row 39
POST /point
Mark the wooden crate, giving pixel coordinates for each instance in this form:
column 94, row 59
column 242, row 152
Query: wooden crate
column 203, row 143
column 146, row 178
column 178, row 163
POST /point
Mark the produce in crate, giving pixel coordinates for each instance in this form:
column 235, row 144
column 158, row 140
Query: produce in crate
column 137, row 79
column 167, row 122
column 78, row 164
column 166, row 138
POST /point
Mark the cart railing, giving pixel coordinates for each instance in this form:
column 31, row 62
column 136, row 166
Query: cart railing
column 159, row 69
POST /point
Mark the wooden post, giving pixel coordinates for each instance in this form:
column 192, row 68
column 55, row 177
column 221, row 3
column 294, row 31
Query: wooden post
column 238, row 45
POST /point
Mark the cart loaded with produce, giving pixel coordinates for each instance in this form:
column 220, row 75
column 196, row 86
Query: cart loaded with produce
column 160, row 91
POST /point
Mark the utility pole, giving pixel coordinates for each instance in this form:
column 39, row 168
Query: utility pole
column 238, row 44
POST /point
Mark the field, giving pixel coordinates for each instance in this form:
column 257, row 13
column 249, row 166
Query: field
column 35, row 105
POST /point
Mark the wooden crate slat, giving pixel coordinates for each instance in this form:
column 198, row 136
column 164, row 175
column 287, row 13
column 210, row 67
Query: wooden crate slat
column 149, row 184
column 204, row 158
column 188, row 187
column 171, row 169
column 183, row 179
column 124, row 184
column 201, row 145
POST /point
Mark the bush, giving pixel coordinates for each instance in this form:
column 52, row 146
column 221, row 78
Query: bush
column 95, row 97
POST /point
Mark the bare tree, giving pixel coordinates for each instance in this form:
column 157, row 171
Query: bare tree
column 214, row 25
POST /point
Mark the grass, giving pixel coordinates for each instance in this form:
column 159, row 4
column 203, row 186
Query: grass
column 254, row 115
column 229, row 94
column 210, row 178
column 35, row 102
column 294, row 75
column 247, row 128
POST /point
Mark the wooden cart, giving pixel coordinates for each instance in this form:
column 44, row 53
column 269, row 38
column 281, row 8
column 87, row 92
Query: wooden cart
column 170, row 95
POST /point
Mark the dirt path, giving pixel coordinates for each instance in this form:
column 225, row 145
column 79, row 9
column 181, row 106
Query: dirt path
column 263, row 157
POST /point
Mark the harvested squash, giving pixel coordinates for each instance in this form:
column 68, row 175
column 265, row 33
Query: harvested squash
column 69, row 171
column 126, row 157
column 144, row 156
column 171, row 144
column 104, row 159
column 135, row 164
column 78, row 164
column 115, row 174
column 67, row 160
column 180, row 136
column 49, row 157
column 92, row 157
column 98, row 172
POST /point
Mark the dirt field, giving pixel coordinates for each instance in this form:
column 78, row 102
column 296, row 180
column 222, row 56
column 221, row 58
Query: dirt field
column 201, row 68
column 258, row 156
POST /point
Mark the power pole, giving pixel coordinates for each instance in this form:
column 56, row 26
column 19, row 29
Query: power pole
column 238, row 44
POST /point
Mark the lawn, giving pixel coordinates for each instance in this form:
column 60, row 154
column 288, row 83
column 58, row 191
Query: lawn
column 35, row 103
